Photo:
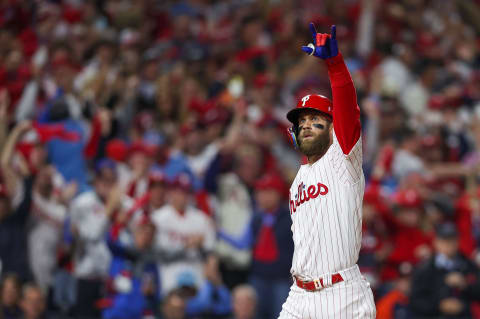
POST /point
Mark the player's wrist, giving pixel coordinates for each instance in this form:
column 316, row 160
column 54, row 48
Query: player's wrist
column 336, row 60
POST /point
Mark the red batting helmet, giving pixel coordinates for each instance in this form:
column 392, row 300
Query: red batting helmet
column 312, row 101
column 408, row 198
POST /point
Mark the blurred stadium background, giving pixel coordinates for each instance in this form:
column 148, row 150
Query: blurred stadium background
column 145, row 163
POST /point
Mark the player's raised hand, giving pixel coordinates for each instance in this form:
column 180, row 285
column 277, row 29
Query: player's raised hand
column 324, row 45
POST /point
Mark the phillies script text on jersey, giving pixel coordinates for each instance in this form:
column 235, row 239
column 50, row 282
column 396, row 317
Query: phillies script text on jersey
column 304, row 194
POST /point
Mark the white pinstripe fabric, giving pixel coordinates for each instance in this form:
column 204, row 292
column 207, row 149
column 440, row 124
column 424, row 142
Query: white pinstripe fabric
column 326, row 231
column 352, row 298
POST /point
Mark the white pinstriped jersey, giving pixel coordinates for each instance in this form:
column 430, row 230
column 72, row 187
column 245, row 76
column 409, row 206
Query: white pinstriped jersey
column 326, row 210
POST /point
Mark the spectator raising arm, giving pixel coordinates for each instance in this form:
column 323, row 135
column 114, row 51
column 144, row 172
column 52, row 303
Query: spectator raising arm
column 93, row 227
column 4, row 101
column 11, row 178
column 243, row 242
column 213, row 297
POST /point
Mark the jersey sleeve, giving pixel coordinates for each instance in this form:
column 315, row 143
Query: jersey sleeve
column 348, row 166
column 346, row 113
column 90, row 225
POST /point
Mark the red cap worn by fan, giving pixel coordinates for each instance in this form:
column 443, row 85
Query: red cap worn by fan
column 141, row 147
column 117, row 150
column 156, row 177
column 408, row 198
column 181, row 181
column 271, row 181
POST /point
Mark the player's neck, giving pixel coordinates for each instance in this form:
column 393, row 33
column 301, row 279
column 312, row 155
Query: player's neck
column 313, row 158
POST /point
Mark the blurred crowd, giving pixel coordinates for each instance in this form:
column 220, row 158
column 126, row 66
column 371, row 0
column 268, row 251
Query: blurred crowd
column 145, row 164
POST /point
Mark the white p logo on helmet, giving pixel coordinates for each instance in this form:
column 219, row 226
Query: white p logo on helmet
column 305, row 99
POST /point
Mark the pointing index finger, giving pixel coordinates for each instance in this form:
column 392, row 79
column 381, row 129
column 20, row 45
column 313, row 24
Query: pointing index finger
column 313, row 30
column 333, row 32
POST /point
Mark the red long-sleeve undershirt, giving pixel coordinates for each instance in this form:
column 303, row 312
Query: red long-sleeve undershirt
column 346, row 113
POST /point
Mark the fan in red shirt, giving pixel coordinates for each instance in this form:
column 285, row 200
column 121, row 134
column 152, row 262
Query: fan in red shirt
column 410, row 243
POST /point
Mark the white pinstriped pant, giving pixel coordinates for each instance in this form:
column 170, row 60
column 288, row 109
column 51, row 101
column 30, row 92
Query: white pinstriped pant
column 351, row 298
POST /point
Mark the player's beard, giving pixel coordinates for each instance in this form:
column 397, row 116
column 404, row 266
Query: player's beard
column 315, row 146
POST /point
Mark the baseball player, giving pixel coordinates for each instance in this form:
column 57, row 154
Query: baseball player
column 326, row 198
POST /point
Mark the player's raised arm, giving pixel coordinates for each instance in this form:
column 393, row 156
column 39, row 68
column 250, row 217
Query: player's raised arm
column 346, row 113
